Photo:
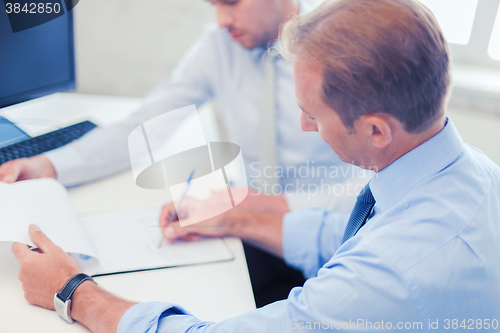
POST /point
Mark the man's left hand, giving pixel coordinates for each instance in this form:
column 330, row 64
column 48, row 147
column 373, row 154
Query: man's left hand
column 45, row 271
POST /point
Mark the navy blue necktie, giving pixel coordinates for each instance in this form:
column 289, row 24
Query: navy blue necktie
column 359, row 214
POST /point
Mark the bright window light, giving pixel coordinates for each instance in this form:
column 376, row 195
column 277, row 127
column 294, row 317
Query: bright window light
column 494, row 47
column 455, row 18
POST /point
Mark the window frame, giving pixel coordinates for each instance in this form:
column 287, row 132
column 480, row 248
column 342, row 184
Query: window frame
column 475, row 52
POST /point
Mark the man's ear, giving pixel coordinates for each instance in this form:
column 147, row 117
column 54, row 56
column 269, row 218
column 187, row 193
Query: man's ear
column 378, row 129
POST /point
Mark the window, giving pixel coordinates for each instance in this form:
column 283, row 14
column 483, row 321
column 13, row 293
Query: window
column 455, row 18
column 494, row 47
column 472, row 28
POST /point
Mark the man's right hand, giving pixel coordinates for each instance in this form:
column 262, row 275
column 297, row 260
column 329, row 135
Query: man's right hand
column 27, row 168
column 195, row 210
column 262, row 229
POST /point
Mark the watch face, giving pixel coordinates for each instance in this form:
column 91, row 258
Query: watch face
column 63, row 308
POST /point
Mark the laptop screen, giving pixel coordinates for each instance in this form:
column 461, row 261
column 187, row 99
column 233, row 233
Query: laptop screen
column 35, row 62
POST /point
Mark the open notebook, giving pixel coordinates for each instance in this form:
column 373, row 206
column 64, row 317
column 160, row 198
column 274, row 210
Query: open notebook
column 100, row 243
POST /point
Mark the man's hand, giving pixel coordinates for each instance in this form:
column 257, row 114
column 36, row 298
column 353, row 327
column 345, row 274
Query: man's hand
column 27, row 168
column 262, row 229
column 194, row 210
column 45, row 271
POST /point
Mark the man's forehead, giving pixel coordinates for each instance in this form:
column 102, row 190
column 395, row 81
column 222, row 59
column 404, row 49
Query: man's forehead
column 306, row 71
column 308, row 78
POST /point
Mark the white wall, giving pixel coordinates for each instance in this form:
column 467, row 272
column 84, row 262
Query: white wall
column 480, row 129
column 125, row 47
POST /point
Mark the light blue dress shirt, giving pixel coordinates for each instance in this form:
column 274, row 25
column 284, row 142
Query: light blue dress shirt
column 215, row 67
column 428, row 257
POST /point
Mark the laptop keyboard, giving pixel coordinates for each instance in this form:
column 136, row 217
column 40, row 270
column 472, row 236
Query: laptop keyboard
column 45, row 142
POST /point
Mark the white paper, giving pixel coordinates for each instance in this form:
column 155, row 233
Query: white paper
column 100, row 243
column 128, row 241
column 44, row 202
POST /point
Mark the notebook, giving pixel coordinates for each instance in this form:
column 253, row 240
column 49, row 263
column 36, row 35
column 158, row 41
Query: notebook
column 103, row 243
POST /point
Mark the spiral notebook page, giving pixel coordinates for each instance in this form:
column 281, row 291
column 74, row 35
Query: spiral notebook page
column 128, row 241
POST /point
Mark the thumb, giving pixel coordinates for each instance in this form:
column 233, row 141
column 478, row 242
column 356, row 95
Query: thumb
column 174, row 231
column 9, row 172
column 39, row 238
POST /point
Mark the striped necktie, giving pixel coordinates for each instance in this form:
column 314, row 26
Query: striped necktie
column 360, row 213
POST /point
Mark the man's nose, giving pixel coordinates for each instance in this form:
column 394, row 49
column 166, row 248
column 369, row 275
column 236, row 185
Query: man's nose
column 306, row 125
column 224, row 17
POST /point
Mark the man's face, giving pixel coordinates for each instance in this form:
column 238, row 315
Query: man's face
column 318, row 117
column 251, row 22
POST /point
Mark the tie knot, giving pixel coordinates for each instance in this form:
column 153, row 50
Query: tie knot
column 366, row 195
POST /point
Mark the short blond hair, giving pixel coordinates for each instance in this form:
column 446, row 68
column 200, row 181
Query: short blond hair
column 386, row 56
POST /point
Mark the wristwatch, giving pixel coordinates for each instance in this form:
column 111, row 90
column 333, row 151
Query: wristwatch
column 62, row 299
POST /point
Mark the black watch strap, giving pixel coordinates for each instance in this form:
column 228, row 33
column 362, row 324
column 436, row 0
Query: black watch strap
column 69, row 288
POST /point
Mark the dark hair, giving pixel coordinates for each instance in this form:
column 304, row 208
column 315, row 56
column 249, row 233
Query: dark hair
column 377, row 56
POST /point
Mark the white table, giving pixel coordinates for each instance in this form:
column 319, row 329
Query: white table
column 213, row 291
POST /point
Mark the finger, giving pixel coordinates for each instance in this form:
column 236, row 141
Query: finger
column 9, row 172
column 166, row 211
column 184, row 211
column 174, row 231
column 20, row 251
column 163, row 215
column 190, row 237
column 39, row 238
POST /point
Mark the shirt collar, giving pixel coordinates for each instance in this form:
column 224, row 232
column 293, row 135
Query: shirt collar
column 397, row 179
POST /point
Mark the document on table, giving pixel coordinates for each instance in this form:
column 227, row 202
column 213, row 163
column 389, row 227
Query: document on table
column 128, row 241
column 100, row 243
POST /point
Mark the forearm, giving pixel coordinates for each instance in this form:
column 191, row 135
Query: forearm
column 272, row 204
column 97, row 309
column 261, row 229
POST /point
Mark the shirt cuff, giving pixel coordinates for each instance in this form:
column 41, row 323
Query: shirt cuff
column 144, row 317
column 65, row 161
column 301, row 233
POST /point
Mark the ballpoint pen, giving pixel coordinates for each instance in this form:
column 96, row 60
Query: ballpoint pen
column 174, row 216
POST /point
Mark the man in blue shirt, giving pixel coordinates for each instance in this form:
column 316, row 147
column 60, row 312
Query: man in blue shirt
column 419, row 252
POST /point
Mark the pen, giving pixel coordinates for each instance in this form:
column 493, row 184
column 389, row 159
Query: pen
column 174, row 215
